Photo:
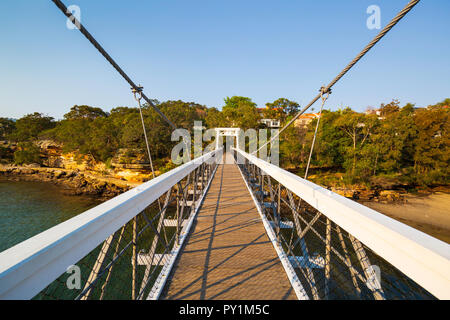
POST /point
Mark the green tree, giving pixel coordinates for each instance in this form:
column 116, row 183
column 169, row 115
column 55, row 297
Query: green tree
column 182, row 114
column 241, row 112
column 87, row 130
column 84, row 112
column 331, row 144
column 389, row 108
column 393, row 139
column 358, row 128
column 281, row 109
column 215, row 119
column 30, row 126
column 432, row 144
column 293, row 147
column 7, row 126
column 444, row 103
column 27, row 153
column 104, row 139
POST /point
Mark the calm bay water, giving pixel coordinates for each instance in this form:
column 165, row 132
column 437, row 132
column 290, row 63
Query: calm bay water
column 28, row 208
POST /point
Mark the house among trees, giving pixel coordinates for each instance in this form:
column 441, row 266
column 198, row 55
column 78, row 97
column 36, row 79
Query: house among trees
column 377, row 112
column 271, row 123
column 305, row 119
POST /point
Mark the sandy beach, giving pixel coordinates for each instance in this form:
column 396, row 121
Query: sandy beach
column 427, row 213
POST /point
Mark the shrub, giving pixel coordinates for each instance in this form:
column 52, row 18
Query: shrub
column 4, row 153
column 27, row 153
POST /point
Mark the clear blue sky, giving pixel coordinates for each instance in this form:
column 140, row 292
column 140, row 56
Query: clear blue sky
column 205, row 50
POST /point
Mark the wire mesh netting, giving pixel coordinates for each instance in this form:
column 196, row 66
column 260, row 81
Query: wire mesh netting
column 128, row 264
column 330, row 262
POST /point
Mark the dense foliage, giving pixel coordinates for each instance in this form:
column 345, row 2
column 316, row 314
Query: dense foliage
column 91, row 131
column 7, row 126
column 409, row 143
column 29, row 127
column 26, row 153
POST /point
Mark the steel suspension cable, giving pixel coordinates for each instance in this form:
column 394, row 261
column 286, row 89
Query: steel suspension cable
column 138, row 96
column 382, row 33
column 324, row 97
column 94, row 42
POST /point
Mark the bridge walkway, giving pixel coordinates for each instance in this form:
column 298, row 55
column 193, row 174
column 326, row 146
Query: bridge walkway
column 228, row 254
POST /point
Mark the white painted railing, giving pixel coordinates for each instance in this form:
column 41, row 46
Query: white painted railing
column 30, row 266
column 422, row 258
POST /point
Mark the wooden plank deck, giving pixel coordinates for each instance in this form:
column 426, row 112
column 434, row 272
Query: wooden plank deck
column 228, row 254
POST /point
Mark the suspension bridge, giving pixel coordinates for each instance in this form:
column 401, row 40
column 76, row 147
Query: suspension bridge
column 228, row 225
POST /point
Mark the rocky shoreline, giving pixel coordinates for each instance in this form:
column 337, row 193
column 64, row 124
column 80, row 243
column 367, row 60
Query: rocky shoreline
column 74, row 182
column 384, row 196
column 388, row 196
column 92, row 183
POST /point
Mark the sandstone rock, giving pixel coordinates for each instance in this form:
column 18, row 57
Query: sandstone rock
column 78, row 174
column 390, row 196
column 343, row 192
column 27, row 171
column 32, row 165
column 58, row 174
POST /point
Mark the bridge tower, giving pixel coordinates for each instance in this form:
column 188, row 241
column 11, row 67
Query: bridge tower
column 227, row 132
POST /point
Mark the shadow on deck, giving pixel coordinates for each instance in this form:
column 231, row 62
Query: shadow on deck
column 228, row 254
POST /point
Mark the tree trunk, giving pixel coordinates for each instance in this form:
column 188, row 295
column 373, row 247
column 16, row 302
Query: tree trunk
column 376, row 163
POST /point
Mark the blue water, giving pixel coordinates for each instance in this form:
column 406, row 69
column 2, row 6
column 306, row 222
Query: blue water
column 28, row 208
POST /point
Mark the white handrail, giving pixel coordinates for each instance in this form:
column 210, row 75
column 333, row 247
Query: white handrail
column 27, row 268
column 422, row 258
